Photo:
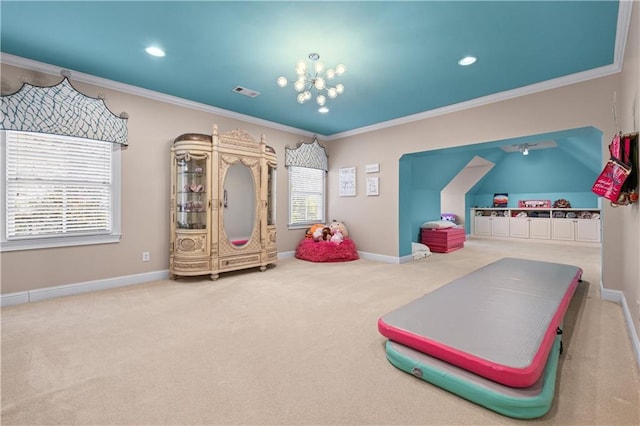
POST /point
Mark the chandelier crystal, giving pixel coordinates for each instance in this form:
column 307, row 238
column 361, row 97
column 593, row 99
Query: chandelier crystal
column 312, row 81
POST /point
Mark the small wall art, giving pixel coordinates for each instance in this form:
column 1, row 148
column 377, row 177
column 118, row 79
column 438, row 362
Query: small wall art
column 372, row 168
column 347, row 182
column 500, row 200
column 372, row 186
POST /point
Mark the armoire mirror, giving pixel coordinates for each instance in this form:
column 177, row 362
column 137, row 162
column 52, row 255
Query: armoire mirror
column 239, row 204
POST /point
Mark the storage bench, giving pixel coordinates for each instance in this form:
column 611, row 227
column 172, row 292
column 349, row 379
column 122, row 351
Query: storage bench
column 443, row 240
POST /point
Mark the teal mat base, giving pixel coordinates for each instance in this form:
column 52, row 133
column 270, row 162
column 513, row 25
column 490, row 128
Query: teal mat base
column 521, row 403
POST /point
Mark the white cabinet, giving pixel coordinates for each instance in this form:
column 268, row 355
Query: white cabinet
column 482, row 225
column 540, row 228
column 576, row 225
column 588, row 230
column 563, row 229
column 519, row 228
column 500, row 226
column 583, row 230
column 530, row 228
column 491, row 226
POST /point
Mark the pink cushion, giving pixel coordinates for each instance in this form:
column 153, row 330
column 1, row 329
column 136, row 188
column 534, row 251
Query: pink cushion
column 326, row 251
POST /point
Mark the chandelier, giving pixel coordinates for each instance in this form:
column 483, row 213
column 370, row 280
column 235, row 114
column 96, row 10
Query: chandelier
column 311, row 81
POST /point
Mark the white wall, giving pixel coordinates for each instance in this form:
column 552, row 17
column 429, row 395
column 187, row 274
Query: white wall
column 629, row 114
column 452, row 196
column 153, row 125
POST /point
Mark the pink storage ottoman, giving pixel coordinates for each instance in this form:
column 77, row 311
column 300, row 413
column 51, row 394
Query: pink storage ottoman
column 443, row 240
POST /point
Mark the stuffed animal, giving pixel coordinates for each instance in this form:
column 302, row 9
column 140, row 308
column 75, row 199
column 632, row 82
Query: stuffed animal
column 312, row 230
column 317, row 234
column 321, row 233
column 337, row 237
column 335, row 226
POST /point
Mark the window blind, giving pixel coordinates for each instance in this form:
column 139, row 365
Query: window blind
column 306, row 192
column 57, row 186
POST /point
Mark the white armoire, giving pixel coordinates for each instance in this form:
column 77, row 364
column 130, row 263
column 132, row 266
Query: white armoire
column 222, row 203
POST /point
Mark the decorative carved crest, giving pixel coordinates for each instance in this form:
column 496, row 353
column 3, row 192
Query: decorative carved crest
column 240, row 138
column 237, row 135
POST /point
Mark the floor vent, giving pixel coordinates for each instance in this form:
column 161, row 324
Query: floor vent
column 245, row 91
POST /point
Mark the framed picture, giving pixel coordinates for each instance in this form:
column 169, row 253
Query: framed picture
column 347, row 182
column 500, row 200
column 372, row 186
column 372, row 168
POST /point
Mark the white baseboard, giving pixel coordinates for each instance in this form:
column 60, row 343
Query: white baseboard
column 379, row 257
column 610, row 295
column 286, row 255
column 78, row 288
column 406, row 259
column 617, row 296
column 20, row 297
column 17, row 298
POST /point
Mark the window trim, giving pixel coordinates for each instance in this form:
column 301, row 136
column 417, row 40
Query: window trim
column 63, row 241
column 304, row 225
column 310, row 155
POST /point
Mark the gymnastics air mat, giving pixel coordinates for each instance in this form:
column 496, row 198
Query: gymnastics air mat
column 521, row 403
column 498, row 322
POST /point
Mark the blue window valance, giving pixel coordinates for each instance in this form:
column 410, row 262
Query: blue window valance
column 61, row 110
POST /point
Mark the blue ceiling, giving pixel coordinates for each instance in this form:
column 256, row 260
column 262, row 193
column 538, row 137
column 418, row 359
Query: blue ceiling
column 401, row 57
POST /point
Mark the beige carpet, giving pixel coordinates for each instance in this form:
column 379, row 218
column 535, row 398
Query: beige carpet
column 297, row 344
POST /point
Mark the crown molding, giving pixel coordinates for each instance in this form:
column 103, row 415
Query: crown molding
column 624, row 19
column 485, row 100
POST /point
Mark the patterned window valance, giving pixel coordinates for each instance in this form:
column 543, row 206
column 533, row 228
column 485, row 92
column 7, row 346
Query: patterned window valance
column 310, row 155
column 61, row 110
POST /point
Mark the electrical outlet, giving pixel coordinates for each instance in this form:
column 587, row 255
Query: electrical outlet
column 145, row 256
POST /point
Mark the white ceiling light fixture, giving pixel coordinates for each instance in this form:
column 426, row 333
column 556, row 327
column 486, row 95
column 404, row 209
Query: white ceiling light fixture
column 467, row 60
column 155, row 51
column 312, row 80
column 519, row 147
column 524, row 149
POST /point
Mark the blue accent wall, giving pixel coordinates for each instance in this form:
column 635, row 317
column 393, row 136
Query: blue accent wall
column 404, row 209
column 531, row 177
column 567, row 171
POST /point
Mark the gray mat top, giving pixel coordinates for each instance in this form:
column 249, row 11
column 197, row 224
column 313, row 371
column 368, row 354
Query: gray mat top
column 499, row 312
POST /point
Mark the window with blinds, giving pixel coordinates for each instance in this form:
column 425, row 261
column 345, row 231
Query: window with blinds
column 57, row 187
column 306, row 196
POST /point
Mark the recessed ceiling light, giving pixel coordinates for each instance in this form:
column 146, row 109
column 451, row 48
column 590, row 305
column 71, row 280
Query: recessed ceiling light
column 155, row 51
column 323, row 110
column 467, row 60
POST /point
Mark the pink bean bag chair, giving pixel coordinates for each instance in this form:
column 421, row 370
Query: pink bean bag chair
column 326, row 251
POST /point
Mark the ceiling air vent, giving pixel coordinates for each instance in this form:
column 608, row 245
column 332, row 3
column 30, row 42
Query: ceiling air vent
column 247, row 92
